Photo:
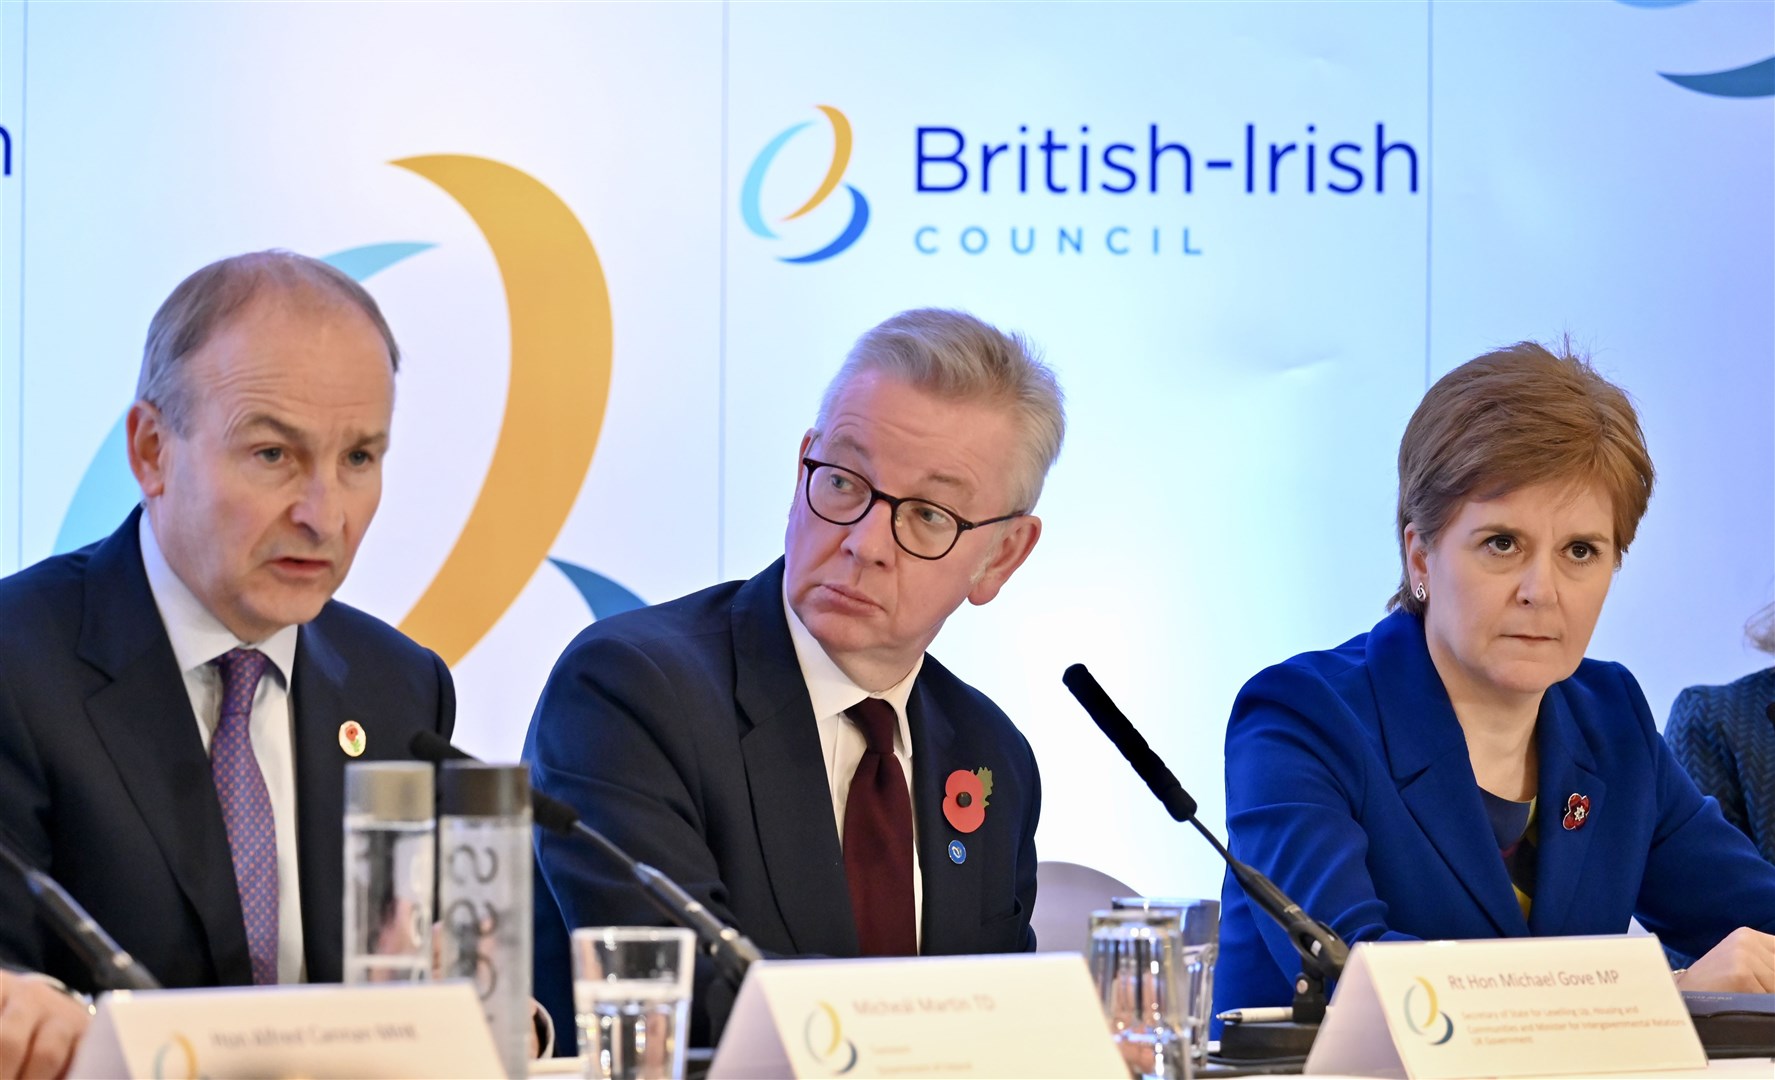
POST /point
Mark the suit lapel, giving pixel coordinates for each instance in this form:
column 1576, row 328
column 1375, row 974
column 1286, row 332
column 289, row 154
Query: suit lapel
column 951, row 890
column 786, row 775
column 1427, row 754
column 1566, row 769
column 144, row 719
column 317, row 707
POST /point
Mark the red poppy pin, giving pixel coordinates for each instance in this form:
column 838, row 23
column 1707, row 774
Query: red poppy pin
column 964, row 798
column 1577, row 811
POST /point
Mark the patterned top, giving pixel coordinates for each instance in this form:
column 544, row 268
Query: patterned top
column 1725, row 739
column 1513, row 824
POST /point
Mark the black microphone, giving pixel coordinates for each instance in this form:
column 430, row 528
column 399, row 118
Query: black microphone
column 110, row 966
column 1121, row 732
column 732, row 951
column 1322, row 952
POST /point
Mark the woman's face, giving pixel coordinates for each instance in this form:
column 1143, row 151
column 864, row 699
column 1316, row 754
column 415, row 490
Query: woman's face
column 1515, row 586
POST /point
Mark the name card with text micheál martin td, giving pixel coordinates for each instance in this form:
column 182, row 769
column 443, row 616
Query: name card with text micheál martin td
column 1029, row 1015
column 1507, row 1007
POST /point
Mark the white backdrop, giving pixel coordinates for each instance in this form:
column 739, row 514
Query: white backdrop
column 1225, row 496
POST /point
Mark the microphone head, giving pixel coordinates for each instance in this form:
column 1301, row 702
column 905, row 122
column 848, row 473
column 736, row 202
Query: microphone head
column 432, row 747
column 549, row 812
column 1102, row 711
column 1113, row 723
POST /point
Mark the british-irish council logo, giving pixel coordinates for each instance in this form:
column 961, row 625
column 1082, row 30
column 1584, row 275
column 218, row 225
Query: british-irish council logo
column 1436, row 1027
column 752, row 190
column 826, row 1041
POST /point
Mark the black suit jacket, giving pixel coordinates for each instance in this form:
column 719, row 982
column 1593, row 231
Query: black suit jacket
column 684, row 732
column 105, row 785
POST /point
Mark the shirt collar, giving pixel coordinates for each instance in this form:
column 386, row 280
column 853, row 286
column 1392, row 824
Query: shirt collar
column 830, row 690
column 197, row 636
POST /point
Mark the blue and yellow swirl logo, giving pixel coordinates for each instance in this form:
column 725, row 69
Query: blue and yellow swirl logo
column 826, row 1042
column 176, row 1059
column 1436, row 1027
column 752, row 191
column 562, row 351
column 1754, row 80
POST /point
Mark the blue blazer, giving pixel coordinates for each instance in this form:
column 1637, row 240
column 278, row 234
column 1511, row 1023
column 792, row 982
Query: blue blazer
column 684, row 732
column 1348, row 783
column 1725, row 738
column 105, row 784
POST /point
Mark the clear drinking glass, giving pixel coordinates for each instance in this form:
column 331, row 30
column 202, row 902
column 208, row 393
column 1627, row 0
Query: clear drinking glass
column 631, row 995
column 1134, row 962
column 1200, row 947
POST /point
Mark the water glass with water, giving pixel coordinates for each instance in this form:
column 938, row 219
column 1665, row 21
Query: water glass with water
column 390, row 852
column 631, row 994
column 1200, row 943
column 1134, row 956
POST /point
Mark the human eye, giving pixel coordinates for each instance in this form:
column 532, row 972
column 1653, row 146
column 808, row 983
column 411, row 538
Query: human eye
column 932, row 515
column 1501, row 544
column 360, row 459
column 1583, row 551
column 270, row 455
column 840, row 481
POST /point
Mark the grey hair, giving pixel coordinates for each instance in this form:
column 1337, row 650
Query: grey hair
column 203, row 303
column 955, row 356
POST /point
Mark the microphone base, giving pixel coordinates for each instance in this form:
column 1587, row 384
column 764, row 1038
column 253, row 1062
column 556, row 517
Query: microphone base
column 1257, row 1042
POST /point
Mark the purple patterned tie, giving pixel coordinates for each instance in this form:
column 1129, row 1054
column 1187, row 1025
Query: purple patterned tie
column 246, row 807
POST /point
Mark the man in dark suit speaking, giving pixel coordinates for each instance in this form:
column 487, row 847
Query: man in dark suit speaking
column 783, row 746
column 178, row 701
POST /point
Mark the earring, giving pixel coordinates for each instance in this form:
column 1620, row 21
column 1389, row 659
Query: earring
column 1421, row 593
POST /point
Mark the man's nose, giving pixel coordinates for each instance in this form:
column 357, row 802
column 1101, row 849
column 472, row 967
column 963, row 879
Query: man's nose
column 871, row 539
column 320, row 506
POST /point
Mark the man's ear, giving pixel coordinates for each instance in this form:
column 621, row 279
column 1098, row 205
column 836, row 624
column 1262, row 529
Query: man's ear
column 1008, row 552
column 148, row 440
column 806, row 441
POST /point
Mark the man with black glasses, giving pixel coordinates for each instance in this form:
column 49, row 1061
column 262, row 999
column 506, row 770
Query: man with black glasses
column 783, row 746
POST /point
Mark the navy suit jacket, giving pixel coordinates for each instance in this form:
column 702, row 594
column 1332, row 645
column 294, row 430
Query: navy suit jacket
column 1348, row 783
column 684, row 732
column 1725, row 738
column 105, row 785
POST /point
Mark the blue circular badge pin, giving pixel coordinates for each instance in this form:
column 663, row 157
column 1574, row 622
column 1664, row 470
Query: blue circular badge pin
column 958, row 852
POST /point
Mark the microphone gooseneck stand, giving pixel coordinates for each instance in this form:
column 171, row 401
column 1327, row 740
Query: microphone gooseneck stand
column 110, row 966
column 732, row 951
column 1322, row 953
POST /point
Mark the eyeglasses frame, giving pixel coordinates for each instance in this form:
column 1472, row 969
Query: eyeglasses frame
column 894, row 503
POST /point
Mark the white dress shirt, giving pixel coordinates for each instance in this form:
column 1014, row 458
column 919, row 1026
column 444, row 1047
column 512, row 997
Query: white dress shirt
column 198, row 637
column 842, row 742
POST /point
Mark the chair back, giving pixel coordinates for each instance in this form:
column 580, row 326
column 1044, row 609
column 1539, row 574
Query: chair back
column 1065, row 895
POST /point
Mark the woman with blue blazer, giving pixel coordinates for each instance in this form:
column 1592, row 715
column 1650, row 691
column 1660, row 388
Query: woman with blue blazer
column 1461, row 770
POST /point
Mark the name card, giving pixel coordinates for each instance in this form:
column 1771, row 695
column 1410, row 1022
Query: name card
column 1025, row 1015
column 1506, row 1007
column 413, row 1029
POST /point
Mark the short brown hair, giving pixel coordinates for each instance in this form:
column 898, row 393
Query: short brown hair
column 1519, row 416
column 204, row 302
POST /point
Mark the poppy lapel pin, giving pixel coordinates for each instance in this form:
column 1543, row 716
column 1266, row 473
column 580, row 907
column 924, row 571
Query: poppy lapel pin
column 965, row 795
column 1577, row 811
column 351, row 738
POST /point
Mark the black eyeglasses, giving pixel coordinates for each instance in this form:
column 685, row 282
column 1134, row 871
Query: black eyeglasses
column 923, row 529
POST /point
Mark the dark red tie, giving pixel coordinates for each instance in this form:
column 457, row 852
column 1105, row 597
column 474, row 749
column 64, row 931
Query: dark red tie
column 878, row 838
